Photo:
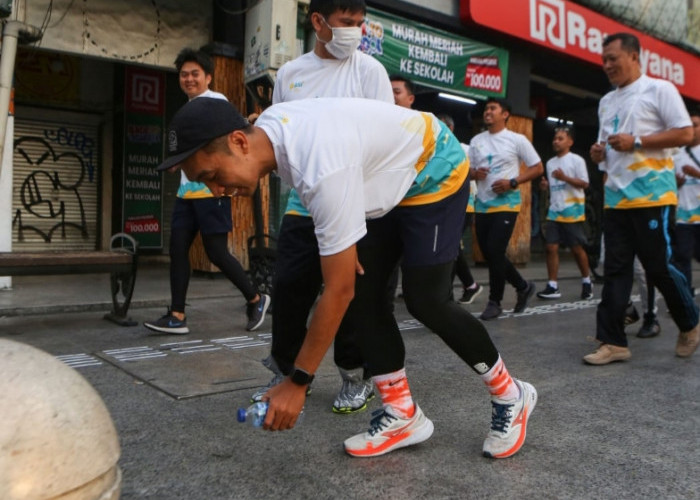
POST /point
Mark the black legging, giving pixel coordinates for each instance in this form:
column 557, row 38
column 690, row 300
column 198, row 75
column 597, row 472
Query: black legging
column 216, row 247
column 461, row 265
column 427, row 292
column 296, row 284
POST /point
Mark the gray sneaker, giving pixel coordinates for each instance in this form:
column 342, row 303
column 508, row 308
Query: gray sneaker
column 355, row 392
column 270, row 364
column 493, row 310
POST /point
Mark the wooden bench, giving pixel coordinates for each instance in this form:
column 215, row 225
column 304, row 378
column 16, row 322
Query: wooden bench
column 120, row 261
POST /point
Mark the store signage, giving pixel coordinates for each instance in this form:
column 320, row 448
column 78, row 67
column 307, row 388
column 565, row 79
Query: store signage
column 435, row 58
column 143, row 151
column 568, row 27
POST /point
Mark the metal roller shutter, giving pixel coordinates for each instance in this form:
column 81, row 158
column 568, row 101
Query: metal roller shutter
column 55, row 184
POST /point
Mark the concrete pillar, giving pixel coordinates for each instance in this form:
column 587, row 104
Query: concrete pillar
column 6, row 197
column 57, row 439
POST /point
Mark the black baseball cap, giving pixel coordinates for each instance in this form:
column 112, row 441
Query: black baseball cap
column 196, row 124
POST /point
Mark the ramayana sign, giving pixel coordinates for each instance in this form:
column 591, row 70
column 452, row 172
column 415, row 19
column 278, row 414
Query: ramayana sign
column 568, row 27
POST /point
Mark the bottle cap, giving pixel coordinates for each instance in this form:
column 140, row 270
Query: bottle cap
column 241, row 414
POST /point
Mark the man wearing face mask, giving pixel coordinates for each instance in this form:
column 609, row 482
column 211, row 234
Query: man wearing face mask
column 334, row 68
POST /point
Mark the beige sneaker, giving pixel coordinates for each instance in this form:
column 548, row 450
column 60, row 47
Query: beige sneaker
column 688, row 342
column 607, row 353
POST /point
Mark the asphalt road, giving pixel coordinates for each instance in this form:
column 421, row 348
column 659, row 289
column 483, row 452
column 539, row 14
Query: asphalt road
column 626, row 430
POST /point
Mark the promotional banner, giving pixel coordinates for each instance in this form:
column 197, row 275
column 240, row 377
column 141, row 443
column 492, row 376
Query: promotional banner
column 579, row 32
column 143, row 152
column 435, row 58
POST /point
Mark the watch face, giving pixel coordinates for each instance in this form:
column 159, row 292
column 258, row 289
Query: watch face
column 300, row 377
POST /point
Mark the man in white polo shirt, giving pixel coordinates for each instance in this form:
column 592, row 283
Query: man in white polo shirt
column 639, row 121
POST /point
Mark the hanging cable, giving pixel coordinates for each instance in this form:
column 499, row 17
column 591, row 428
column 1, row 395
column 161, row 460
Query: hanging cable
column 236, row 12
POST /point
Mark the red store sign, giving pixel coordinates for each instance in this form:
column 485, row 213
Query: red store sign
column 568, row 27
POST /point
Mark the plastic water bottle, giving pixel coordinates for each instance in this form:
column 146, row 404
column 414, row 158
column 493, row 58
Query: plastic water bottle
column 255, row 414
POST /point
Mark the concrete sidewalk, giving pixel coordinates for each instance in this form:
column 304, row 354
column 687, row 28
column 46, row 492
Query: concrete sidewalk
column 623, row 431
column 32, row 295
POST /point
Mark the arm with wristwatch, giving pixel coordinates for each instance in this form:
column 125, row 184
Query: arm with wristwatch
column 670, row 138
column 502, row 185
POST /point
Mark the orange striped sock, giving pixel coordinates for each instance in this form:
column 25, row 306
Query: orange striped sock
column 394, row 391
column 500, row 383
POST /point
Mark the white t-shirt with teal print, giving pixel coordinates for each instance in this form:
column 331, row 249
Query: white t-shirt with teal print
column 501, row 153
column 189, row 190
column 688, row 211
column 642, row 178
column 310, row 76
column 567, row 203
column 353, row 159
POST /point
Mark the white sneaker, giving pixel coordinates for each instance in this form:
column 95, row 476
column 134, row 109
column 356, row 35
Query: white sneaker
column 388, row 432
column 509, row 423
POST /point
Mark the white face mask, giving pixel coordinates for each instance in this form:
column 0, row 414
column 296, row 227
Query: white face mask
column 344, row 42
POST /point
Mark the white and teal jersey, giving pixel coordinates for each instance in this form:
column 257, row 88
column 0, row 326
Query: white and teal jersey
column 295, row 206
column 309, row 76
column 688, row 211
column 646, row 177
column 501, row 153
column 196, row 190
column 355, row 159
column 472, row 184
column 566, row 202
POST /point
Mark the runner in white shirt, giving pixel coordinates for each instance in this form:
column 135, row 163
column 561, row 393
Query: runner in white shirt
column 382, row 183
column 639, row 121
column 197, row 210
column 687, row 165
column 495, row 156
column 567, row 177
column 336, row 71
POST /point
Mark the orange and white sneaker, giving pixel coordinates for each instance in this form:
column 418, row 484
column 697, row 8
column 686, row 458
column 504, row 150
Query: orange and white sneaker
column 509, row 422
column 388, row 432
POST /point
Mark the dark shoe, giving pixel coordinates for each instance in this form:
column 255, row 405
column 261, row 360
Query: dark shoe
column 650, row 328
column 168, row 324
column 549, row 293
column 631, row 314
column 586, row 291
column 256, row 312
column 470, row 294
column 493, row 310
column 523, row 296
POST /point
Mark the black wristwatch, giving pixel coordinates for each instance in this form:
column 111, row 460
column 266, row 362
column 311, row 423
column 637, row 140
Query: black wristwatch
column 637, row 143
column 300, row 377
column 513, row 183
